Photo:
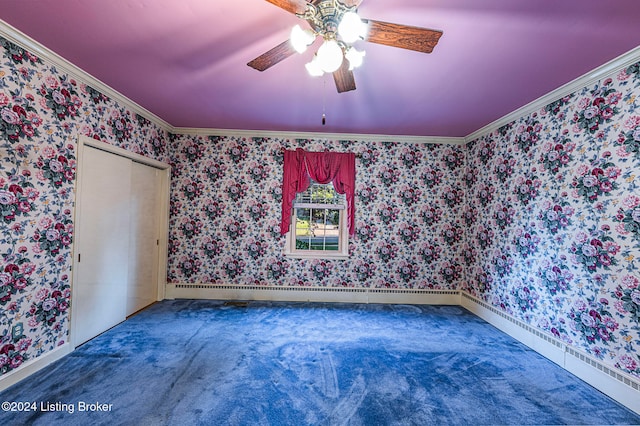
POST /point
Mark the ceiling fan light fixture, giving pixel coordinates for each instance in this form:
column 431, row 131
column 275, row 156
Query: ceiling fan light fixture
column 313, row 68
column 301, row 39
column 355, row 57
column 340, row 27
column 329, row 56
column 351, row 28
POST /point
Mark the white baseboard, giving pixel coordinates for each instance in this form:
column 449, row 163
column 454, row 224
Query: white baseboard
column 313, row 294
column 622, row 387
column 30, row 367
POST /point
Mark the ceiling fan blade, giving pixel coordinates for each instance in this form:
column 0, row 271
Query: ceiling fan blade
column 344, row 78
column 403, row 36
column 293, row 6
column 273, row 56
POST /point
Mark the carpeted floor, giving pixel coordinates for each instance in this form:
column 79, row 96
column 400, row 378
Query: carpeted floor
column 187, row 362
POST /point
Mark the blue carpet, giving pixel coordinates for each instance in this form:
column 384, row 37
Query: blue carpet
column 188, row 362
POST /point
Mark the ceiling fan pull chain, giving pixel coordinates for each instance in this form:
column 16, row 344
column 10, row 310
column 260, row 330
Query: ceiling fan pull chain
column 324, row 90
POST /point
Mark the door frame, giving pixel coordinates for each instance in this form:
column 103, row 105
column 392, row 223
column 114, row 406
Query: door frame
column 163, row 219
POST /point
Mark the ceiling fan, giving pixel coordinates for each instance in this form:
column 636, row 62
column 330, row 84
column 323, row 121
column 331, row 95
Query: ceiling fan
column 337, row 23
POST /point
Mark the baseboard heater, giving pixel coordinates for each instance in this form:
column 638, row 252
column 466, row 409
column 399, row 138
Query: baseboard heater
column 313, row 294
column 621, row 386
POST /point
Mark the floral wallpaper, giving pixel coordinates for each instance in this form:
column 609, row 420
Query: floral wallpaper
column 225, row 212
column 42, row 112
column 540, row 218
column 558, row 242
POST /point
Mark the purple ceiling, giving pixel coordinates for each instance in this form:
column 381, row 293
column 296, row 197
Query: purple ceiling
column 185, row 60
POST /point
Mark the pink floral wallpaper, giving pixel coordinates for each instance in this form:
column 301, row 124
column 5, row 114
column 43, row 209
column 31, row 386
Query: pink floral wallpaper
column 540, row 218
column 42, row 112
column 225, row 212
column 557, row 243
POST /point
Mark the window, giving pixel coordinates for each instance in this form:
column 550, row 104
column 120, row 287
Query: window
column 318, row 210
column 318, row 225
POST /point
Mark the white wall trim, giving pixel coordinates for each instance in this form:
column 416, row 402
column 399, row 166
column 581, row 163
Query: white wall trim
column 620, row 386
column 192, row 131
column 17, row 37
column 32, row 366
column 313, row 294
column 104, row 146
column 583, row 81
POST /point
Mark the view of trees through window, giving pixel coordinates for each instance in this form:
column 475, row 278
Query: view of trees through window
column 318, row 214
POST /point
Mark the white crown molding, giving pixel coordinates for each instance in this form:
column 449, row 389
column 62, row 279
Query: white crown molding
column 19, row 38
column 585, row 80
column 15, row 36
column 318, row 136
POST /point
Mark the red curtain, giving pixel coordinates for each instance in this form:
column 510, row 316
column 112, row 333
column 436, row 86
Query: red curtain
column 322, row 167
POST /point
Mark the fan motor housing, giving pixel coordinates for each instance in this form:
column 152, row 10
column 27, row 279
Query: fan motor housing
column 324, row 16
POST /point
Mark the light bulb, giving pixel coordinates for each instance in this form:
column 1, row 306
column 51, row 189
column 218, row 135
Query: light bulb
column 351, row 28
column 313, row 68
column 330, row 56
column 301, row 39
column 355, row 57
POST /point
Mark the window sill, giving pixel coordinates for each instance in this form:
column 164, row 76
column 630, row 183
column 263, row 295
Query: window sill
column 317, row 255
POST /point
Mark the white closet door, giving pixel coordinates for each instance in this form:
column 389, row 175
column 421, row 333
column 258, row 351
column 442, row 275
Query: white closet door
column 143, row 237
column 102, row 244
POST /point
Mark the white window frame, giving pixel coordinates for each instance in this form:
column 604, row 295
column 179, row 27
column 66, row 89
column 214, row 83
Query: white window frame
column 290, row 249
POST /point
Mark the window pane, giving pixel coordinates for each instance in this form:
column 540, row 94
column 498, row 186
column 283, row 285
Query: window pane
column 318, row 226
column 303, row 197
column 331, row 229
column 303, row 217
column 333, row 219
column 318, row 229
column 302, row 228
column 302, row 243
column 318, row 216
column 320, row 194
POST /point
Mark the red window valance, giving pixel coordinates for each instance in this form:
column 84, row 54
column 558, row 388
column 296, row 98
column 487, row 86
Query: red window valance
column 323, row 167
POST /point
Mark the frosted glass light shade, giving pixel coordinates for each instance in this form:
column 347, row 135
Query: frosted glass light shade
column 301, row 39
column 355, row 57
column 351, row 28
column 329, row 56
column 313, row 68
